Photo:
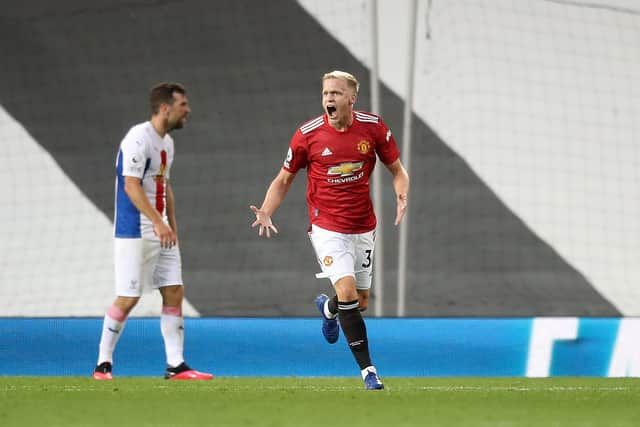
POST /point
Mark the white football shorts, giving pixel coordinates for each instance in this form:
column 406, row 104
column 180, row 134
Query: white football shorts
column 341, row 255
column 142, row 264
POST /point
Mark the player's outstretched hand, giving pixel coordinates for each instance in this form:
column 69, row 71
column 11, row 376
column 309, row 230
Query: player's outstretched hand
column 401, row 208
column 264, row 221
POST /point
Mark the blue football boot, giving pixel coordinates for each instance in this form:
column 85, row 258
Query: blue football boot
column 330, row 328
column 371, row 379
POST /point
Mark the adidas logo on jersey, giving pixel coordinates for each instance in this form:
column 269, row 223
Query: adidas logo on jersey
column 326, row 152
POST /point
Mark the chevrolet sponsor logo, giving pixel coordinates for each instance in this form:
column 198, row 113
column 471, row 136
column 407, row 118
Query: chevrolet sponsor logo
column 345, row 169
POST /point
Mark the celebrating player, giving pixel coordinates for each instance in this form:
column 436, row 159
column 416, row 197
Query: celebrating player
column 146, row 235
column 339, row 151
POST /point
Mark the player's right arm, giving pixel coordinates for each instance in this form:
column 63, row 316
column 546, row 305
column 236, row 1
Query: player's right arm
column 133, row 188
column 295, row 160
column 272, row 200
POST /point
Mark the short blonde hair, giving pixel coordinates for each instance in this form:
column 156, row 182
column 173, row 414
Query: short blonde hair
column 352, row 82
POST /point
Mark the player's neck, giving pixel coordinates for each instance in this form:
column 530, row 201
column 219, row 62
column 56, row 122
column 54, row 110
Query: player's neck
column 342, row 124
column 159, row 125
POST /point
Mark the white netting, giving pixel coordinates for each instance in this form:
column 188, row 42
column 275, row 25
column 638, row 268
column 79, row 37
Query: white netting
column 541, row 98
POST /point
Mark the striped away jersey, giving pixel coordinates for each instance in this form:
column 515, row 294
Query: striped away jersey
column 338, row 168
column 146, row 155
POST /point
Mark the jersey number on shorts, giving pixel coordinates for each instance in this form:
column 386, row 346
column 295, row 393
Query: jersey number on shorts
column 368, row 263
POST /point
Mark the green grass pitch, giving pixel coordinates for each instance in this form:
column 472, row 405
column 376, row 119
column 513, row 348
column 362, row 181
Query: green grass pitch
column 281, row 402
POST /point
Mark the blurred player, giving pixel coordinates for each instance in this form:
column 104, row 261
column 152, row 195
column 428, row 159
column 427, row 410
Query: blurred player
column 339, row 151
column 146, row 240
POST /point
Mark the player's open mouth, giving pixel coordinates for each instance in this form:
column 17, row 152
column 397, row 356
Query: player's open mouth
column 331, row 111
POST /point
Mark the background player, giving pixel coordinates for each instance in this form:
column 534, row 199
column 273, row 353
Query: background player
column 339, row 151
column 146, row 240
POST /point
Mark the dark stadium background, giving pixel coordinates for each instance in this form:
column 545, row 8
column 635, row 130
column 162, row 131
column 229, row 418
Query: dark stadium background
column 77, row 77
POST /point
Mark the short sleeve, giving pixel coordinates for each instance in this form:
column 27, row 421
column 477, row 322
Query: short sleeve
column 133, row 156
column 297, row 154
column 386, row 144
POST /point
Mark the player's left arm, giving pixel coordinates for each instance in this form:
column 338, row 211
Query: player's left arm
column 401, row 187
column 171, row 210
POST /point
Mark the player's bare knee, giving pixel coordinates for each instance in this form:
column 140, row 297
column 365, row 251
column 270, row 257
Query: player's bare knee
column 172, row 295
column 346, row 289
column 363, row 302
column 126, row 304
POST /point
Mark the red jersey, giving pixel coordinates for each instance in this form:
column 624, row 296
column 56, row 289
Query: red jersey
column 338, row 168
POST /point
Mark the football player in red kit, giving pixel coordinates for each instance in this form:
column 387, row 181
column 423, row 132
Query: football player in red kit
column 339, row 150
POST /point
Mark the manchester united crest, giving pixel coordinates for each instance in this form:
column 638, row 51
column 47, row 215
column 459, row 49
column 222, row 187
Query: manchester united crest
column 364, row 146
